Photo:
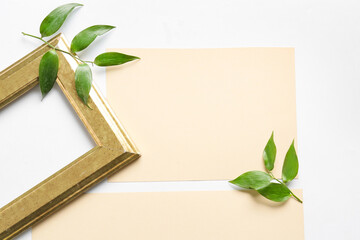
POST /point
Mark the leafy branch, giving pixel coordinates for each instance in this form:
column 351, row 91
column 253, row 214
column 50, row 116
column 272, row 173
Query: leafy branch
column 57, row 49
column 49, row 64
column 266, row 183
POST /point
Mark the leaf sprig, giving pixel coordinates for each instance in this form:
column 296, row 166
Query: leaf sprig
column 49, row 64
column 266, row 183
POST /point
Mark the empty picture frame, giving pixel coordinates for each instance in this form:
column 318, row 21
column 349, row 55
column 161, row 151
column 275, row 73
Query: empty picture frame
column 114, row 149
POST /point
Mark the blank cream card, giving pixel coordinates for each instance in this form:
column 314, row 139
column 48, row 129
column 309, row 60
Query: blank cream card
column 210, row 215
column 204, row 114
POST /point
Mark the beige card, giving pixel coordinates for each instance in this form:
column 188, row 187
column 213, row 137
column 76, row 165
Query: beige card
column 204, row 114
column 175, row 215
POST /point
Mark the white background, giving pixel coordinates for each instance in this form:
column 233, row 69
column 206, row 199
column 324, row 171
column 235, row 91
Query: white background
column 326, row 37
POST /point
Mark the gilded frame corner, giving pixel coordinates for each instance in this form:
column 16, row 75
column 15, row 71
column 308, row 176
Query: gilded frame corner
column 114, row 149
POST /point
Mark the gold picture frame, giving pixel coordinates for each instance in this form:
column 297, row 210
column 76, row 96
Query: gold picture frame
column 114, row 149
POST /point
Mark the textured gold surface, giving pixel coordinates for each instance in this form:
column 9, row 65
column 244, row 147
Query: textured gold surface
column 113, row 151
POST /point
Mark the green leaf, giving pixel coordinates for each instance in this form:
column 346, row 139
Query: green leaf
column 48, row 69
column 84, row 38
column 291, row 165
column 56, row 18
column 113, row 58
column 252, row 180
column 269, row 153
column 276, row 192
column 83, row 80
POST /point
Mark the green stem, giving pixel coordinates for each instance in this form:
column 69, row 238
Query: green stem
column 296, row 197
column 72, row 55
column 41, row 39
column 57, row 49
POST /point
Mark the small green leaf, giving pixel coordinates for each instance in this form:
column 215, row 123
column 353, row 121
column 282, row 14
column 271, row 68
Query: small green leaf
column 48, row 69
column 275, row 192
column 113, row 58
column 84, row 38
column 252, row 180
column 83, row 80
column 269, row 153
column 291, row 165
column 56, row 18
